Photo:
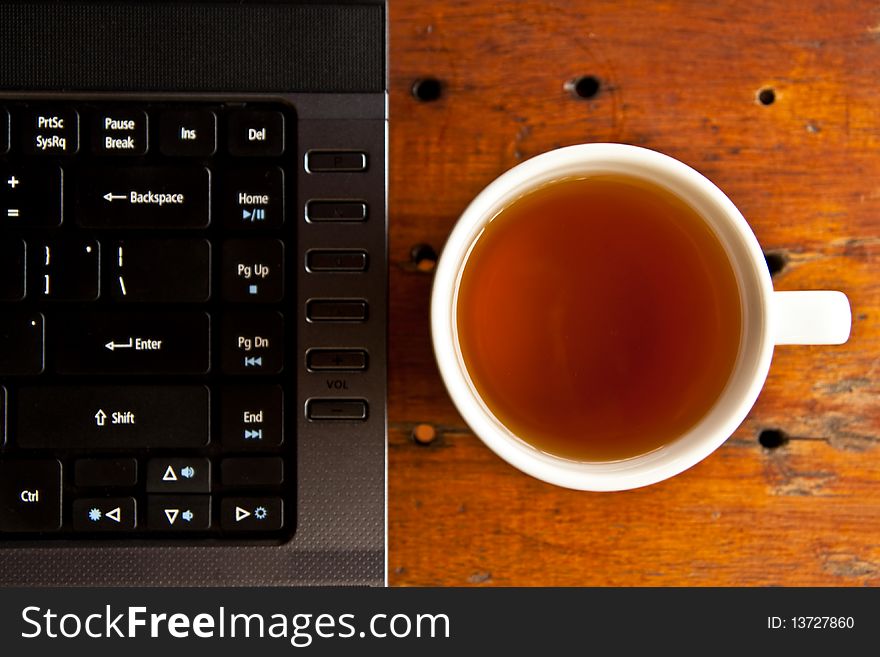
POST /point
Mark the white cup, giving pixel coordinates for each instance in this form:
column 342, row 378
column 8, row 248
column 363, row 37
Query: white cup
column 769, row 318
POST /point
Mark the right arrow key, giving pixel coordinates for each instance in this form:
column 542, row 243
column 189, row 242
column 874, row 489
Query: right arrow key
column 252, row 514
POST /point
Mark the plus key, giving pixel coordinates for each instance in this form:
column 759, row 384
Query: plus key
column 30, row 196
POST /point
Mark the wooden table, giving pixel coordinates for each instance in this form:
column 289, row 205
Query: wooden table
column 683, row 78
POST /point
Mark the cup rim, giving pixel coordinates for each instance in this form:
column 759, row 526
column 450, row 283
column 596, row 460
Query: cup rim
column 626, row 474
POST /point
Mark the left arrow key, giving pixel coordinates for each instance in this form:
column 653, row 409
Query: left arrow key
column 103, row 514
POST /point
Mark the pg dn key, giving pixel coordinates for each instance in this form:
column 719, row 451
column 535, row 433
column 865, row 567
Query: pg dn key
column 253, row 343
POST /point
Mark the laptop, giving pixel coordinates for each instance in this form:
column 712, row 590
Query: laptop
column 193, row 293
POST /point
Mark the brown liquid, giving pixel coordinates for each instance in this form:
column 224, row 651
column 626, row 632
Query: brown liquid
column 598, row 318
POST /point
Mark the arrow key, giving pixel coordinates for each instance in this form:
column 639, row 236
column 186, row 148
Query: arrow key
column 179, row 475
column 252, row 514
column 179, row 513
column 105, row 514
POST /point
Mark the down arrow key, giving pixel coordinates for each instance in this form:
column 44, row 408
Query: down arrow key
column 179, row 513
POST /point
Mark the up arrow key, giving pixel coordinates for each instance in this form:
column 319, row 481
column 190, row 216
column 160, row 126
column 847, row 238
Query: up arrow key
column 169, row 475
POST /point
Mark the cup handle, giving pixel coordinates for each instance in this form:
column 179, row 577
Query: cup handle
column 811, row 317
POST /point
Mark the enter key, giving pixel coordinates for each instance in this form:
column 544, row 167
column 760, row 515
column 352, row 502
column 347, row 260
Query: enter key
column 132, row 343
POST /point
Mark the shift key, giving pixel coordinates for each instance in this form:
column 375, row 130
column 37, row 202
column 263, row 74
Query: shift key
column 132, row 343
column 125, row 417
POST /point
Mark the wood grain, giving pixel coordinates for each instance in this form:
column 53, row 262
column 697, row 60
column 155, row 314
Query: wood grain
column 682, row 78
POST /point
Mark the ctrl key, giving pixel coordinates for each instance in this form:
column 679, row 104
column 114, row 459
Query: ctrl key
column 30, row 496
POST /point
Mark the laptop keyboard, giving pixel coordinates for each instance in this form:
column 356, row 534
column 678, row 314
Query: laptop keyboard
column 148, row 287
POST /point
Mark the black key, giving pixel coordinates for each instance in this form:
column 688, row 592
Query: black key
column 253, row 270
column 333, row 261
column 132, row 343
column 190, row 133
column 318, row 211
column 250, row 472
column 22, row 338
column 143, row 197
column 4, row 130
column 334, row 310
column 252, row 416
column 12, row 268
column 30, row 197
column 30, row 496
column 251, row 514
column 3, row 416
column 179, row 513
column 122, row 417
column 64, row 270
column 253, row 343
column 335, row 161
column 339, row 360
column 120, row 132
column 336, row 409
column 104, row 514
column 179, row 475
column 105, row 473
column 161, row 271
column 259, row 133
column 253, row 198
column 49, row 131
